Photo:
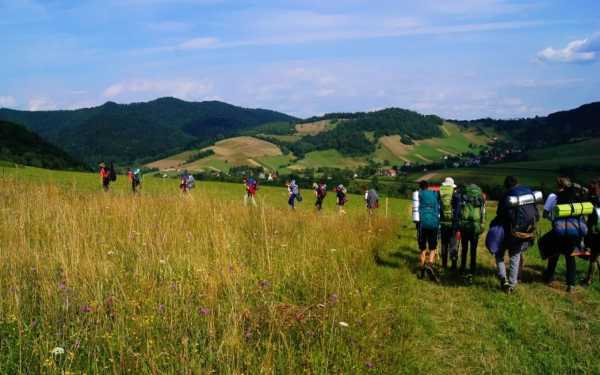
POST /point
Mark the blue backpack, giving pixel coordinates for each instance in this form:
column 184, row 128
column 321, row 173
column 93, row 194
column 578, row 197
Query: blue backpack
column 429, row 209
column 574, row 228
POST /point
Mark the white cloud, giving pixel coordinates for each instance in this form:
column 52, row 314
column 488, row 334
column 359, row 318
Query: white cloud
column 183, row 89
column 198, row 43
column 7, row 101
column 470, row 7
column 40, row 104
column 577, row 51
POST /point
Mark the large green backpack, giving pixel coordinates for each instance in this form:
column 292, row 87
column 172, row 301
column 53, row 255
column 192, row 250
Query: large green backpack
column 446, row 193
column 471, row 203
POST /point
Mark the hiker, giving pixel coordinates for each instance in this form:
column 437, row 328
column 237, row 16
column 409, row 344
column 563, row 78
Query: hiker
column 183, row 181
column 428, row 208
column 517, row 216
column 592, row 240
column 320, row 192
column 293, row 194
column 471, row 216
column 191, row 182
column 372, row 200
column 448, row 222
column 104, row 176
column 134, row 178
column 567, row 233
column 340, row 194
column 251, row 186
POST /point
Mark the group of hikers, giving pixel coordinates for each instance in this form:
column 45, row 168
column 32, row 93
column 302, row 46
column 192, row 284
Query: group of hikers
column 457, row 215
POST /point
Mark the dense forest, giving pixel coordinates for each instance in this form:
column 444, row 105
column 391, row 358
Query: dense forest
column 20, row 145
column 133, row 132
column 556, row 128
column 350, row 136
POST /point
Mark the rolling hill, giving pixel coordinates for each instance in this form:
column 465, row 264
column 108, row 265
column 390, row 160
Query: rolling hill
column 20, row 145
column 140, row 131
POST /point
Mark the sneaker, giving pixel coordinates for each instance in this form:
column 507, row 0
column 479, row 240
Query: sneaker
column 421, row 273
column 432, row 274
column 510, row 290
column 570, row 288
column 504, row 285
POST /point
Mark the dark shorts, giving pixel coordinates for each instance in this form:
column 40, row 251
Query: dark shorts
column 105, row 181
column 427, row 237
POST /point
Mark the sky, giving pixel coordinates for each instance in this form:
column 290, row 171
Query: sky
column 460, row 59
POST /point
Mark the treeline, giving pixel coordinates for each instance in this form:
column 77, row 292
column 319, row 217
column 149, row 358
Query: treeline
column 350, row 136
column 21, row 146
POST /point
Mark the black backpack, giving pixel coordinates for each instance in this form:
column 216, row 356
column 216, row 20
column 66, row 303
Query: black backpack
column 523, row 219
column 112, row 174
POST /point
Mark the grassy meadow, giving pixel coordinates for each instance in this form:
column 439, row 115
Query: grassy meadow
column 163, row 282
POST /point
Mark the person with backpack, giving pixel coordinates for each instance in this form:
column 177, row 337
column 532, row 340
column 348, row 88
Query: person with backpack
column 251, row 187
column 320, row 192
column 471, row 216
column 104, row 176
column 448, row 222
column 340, row 194
column 428, row 208
column 293, row 194
column 592, row 241
column 134, row 178
column 567, row 233
column 183, row 181
column 371, row 200
column 518, row 215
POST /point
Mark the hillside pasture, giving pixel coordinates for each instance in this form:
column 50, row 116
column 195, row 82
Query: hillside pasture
column 313, row 128
column 328, row 158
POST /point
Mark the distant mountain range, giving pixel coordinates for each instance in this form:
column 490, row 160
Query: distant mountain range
column 20, row 145
column 141, row 131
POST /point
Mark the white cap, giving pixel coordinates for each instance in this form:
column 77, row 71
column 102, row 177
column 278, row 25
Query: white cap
column 449, row 181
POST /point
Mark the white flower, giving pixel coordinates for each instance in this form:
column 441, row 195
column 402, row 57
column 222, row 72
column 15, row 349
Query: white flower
column 333, row 250
column 162, row 261
column 111, row 253
column 57, row 351
column 344, row 324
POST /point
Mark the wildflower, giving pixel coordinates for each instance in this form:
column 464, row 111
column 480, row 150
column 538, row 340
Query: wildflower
column 173, row 285
column 161, row 308
column 321, row 305
column 264, row 284
column 86, row 309
column 76, row 345
column 344, row 324
column 162, row 261
column 57, row 351
column 369, row 364
column 283, row 245
column 62, row 286
column 333, row 250
column 204, row 311
column 248, row 334
column 333, row 299
column 110, row 253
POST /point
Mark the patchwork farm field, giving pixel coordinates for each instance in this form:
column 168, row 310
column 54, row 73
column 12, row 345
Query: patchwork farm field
column 161, row 282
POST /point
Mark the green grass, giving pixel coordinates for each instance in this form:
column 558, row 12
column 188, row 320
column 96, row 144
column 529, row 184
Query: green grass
column 276, row 163
column 55, row 227
column 329, row 158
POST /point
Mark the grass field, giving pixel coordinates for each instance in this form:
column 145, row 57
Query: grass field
column 167, row 283
column 328, row 158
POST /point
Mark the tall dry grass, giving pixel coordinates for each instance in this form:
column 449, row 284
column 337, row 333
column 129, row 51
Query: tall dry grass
column 178, row 284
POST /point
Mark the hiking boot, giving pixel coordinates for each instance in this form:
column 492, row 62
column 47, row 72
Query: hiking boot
column 432, row 274
column 421, row 273
column 469, row 278
column 570, row 288
column 504, row 285
column 510, row 290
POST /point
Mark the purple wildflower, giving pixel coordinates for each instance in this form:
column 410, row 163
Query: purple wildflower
column 333, row 299
column 264, row 284
column 77, row 344
column 86, row 309
column 248, row 334
column 204, row 311
column 62, row 286
column 370, row 364
column 161, row 308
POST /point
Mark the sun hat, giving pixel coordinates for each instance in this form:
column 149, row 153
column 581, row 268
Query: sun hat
column 449, row 181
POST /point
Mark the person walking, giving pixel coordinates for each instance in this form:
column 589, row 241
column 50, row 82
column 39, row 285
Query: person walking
column 592, row 240
column 428, row 204
column 293, row 194
column 371, row 200
column 251, row 187
column 518, row 215
column 104, row 176
column 559, row 241
column 135, row 179
column 471, row 216
column 448, row 222
column 183, row 181
column 340, row 194
column 320, row 193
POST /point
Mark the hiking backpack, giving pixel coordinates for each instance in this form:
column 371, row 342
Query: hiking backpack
column 471, row 209
column 429, row 210
column 523, row 219
column 112, row 174
column 446, row 193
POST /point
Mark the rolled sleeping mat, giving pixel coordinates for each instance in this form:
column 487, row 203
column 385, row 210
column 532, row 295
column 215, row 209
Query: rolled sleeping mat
column 494, row 239
column 573, row 209
column 415, row 206
column 522, row 200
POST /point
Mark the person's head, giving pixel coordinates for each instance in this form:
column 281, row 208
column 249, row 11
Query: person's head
column 594, row 187
column 102, row 165
column 449, row 181
column 510, row 182
column 245, row 178
column 563, row 183
column 423, row 185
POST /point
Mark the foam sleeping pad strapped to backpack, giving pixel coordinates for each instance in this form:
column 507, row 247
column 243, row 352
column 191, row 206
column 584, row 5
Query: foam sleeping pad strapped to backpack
column 471, row 206
column 522, row 200
column 446, row 193
column 595, row 221
column 573, row 209
column 495, row 237
column 429, row 209
column 415, row 206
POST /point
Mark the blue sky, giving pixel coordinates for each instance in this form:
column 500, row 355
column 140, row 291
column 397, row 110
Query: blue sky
column 456, row 58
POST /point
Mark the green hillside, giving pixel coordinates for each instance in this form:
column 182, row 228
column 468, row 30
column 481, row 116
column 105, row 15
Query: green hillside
column 140, row 131
column 21, row 146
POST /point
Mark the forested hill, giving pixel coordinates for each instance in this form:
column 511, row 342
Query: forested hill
column 20, row 145
column 556, row 128
column 140, row 131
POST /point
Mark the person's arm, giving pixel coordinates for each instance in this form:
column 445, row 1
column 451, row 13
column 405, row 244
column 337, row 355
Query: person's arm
column 549, row 206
